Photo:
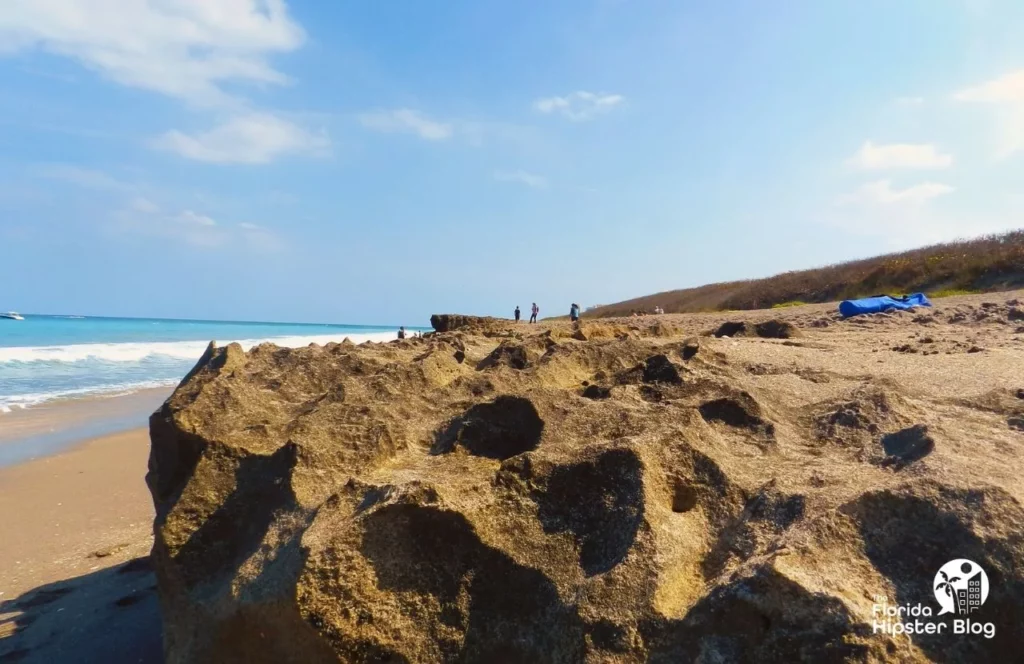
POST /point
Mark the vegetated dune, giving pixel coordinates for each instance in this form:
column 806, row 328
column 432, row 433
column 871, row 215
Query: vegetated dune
column 984, row 264
column 623, row 491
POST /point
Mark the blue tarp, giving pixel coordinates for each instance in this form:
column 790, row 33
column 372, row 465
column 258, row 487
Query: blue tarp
column 872, row 305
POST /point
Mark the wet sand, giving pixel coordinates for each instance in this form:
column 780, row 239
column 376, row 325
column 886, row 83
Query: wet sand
column 54, row 427
column 75, row 584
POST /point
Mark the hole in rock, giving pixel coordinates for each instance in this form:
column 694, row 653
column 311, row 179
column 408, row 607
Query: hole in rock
column 684, row 496
column 500, row 429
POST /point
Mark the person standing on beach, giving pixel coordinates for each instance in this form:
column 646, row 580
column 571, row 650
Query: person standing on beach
column 534, row 310
column 517, row 313
column 574, row 312
column 401, row 332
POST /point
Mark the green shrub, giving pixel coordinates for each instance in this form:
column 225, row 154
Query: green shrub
column 950, row 292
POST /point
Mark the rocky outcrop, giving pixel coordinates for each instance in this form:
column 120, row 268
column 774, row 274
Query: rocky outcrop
column 548, row 499
column 452, row 322
column 769, row 329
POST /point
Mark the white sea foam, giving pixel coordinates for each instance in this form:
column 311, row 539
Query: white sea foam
column 184, row 350
column 20, row 401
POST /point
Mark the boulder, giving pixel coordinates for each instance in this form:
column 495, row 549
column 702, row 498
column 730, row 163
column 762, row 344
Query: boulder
column 389, row 503
column 659, row 369
column 772, row 329
column 452, row 322
column 731, row 329
column 776, row 329
column 907, row 445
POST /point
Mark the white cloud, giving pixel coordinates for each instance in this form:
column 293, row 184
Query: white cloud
column 407, row 121
column 472, row 132
column 82, row 177
column 909, row 101
column 900, row 156
column 193, row 219
column 257, row 138
column 196, row 229
column 1008, row 88
column 883, row 193
column 1005, row 96
column 911, row 217
column 522, row 177
column 197, row 51
column 144, row 205
column 580, row 105
column 145, row 217
column 188, row 49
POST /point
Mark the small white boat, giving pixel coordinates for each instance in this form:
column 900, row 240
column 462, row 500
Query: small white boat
column 12, row 315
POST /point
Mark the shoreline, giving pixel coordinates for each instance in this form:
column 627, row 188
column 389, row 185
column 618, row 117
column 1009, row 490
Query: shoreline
column 56, row 427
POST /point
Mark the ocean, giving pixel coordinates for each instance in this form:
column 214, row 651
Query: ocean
column 48, row 358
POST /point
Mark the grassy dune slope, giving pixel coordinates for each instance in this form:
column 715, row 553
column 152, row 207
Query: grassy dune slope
column 984, row 264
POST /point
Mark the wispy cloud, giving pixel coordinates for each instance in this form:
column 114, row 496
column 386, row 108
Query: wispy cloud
column 81, row 177
column 198, row 230
column 144, row 205
column 181, row 48
column 522, row 177
column 909, row 101
column 1005, row 96
column 1008, row 88
column 407, row 121
column 882, row 192
column 579, row 106
column 909, row 216
column 259, row 238
column 256, row 138
column 474, row 132
column 923, row 156
column 191, row 218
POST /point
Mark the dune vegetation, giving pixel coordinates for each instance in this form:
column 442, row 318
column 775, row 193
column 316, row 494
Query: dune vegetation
column 979, row 265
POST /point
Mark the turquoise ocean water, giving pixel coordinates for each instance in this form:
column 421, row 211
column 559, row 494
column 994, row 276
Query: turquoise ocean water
column 47, row 358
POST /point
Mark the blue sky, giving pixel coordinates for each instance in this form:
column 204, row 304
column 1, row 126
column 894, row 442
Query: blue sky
column 375, row 162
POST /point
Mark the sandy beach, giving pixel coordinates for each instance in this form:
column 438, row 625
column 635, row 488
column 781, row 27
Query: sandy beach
column 75, row 584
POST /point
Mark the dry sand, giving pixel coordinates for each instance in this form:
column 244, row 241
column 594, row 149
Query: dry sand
column 75, row 585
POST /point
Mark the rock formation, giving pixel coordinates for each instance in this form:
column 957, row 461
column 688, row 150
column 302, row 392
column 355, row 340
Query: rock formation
column 546, row 499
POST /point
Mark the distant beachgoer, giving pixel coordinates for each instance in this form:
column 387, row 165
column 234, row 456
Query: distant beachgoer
column 534, row 310
column 401, row 332
column 517, row 313
column 574, row 312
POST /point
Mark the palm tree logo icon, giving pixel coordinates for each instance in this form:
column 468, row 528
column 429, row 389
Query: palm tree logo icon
column 947, row 583
column 961, row 587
